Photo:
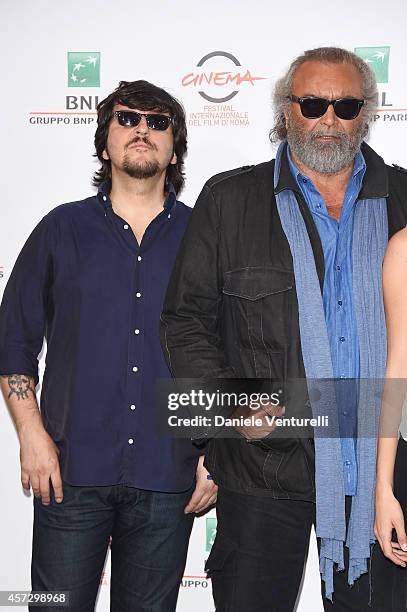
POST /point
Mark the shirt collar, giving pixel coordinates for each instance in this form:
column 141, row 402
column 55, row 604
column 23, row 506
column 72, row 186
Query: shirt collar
column 103, row 196
column 359, row 164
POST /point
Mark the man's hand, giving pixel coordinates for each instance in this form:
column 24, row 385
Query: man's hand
column 39, row 461
column 265, row 427
column 389, row 516
column 38, row 453
column 205, row 492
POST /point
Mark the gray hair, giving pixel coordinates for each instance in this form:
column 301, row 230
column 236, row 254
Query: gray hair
column 326, row 55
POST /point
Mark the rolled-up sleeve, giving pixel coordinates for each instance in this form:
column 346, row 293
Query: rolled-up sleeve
column 23, row 311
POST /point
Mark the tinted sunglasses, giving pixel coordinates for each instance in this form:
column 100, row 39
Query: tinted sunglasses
column 313, row 108
column 155, row 121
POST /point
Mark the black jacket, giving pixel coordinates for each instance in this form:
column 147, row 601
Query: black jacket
column 231, row 308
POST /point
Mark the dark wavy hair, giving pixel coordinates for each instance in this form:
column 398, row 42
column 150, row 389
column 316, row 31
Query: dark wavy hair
column 146, row 97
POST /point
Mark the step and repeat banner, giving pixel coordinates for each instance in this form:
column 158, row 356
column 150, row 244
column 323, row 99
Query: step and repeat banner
column 221, row 60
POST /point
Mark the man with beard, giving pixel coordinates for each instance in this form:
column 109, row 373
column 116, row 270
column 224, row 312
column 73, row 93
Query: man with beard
column 279, row 278
column 92, row 278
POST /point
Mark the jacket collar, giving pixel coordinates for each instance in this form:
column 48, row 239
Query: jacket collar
column 375, row 182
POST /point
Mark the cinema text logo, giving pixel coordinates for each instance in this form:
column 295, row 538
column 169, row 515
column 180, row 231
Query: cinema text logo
column 83, row 71
column 215, row 80
column 218, row 78
column 378, row 59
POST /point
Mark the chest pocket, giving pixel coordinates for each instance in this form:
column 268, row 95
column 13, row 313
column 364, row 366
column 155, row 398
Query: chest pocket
column 260, row 303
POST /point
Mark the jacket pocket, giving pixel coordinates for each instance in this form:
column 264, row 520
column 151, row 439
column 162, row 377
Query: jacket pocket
column 287, row 470
column 254, row 283
column 259, row 300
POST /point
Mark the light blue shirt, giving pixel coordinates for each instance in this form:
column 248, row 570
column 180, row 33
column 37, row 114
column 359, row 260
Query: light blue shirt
column 336, row 239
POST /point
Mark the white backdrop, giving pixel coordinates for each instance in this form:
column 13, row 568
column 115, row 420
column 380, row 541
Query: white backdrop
column 48, row 120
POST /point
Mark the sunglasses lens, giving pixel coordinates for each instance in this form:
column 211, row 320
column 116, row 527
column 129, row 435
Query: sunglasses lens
column 347, row 108
column 132, row 119
column 128, row 119
column 158, row 122
column 312, row 108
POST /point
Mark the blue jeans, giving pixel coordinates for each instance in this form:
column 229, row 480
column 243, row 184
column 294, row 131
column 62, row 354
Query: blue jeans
column 150, row 535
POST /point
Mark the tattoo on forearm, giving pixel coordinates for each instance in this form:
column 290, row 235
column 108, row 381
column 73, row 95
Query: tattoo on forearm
column 20, row 385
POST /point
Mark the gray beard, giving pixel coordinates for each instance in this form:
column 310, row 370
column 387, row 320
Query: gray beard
column 140, row 171
column 324, row 157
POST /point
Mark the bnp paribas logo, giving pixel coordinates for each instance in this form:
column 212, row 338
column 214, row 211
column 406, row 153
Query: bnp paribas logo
column 211, row 524
column 378, row 60
column 83, row 69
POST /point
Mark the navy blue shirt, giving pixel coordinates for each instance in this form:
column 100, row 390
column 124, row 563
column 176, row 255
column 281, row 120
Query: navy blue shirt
column 336, row 238
column 84, row 283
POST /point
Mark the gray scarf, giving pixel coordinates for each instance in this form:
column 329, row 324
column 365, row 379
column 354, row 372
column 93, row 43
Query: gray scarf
column 370, row 235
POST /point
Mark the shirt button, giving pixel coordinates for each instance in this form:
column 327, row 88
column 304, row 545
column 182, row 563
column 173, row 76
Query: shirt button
column 138, row 294
column 104, row 198
column 137, row 331
column 132, row 407
column 139, row 258
column 342, row 376
column 130, row 441
column 135, row 369
column 340, row 302
column 338, row 267
column 125, row 226
column 347, row 463
column 342, row 339
column 304, row 180
column 169, row 216
column 345, row 413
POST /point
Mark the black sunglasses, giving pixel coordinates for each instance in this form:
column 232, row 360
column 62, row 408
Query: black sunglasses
column 313, row 108
column 155, row 121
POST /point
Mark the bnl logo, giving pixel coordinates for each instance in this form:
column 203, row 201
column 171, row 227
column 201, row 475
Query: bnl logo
column 377, row 58
column 211, row 524
column 83, row 69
